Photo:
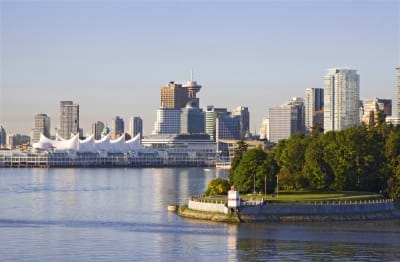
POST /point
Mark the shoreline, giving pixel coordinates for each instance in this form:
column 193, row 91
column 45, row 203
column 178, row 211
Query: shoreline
column 185, row 212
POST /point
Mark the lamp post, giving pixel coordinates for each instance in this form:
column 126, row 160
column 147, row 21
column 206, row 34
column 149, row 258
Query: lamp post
column 265, row 184
column 254, row 184
column 277, row 185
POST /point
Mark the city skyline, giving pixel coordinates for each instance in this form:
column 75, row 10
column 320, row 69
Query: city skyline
column 235, row 60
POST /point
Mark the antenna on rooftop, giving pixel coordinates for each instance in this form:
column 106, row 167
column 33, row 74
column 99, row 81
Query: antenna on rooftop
column 191, row 74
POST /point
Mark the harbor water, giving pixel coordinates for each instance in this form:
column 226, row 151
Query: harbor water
column 121, row 215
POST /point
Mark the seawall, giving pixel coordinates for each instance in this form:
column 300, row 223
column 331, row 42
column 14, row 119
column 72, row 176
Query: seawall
column 349, row 211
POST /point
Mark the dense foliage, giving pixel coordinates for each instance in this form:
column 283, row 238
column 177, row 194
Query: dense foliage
column 217, row 186
column 360, row 159
column 256, row 171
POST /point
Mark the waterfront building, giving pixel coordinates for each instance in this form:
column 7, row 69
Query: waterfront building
column 243, row 113
column 341, row 99
column 372, row 108
column 135, row 126
column 3, row 137
column 117, row 127
column 41, row 125
column 89, row 144
column 168, row 121
column 173, row 96
column 286, row 120
column 211, row 115
column 228, row 127
column 14, row 140
column 69, row 119
column 264, row 129
column 192, row 119
column 314, row 106
column 97, row 129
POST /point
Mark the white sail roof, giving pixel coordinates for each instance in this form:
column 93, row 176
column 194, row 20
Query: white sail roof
column 89, row 145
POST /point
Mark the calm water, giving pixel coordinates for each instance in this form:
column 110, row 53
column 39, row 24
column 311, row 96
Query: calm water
column 120, row 214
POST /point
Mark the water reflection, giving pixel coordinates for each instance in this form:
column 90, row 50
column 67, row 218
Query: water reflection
column 120, row 214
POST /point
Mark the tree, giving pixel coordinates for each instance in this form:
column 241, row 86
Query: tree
column 394, row 185
column 238, row 155
column 316, row 173
column 217, row 186
column 256, row 167
column 290, row 157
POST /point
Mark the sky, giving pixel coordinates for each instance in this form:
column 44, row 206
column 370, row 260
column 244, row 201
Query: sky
column 112, row 57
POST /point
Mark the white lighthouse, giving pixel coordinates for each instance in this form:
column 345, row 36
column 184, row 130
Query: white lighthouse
column 233, row 198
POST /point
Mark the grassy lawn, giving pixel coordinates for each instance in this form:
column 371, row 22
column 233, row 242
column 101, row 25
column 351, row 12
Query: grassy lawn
column 305, row 197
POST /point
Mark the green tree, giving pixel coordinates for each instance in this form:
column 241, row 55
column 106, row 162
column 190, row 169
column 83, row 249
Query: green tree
column 290, row 157
column 316, row 173
column 394, row 185
column 256, row 168
column 238, row 155
column 217, row 186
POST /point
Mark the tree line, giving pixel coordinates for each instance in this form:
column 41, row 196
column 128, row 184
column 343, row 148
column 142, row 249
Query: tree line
column 357, row 159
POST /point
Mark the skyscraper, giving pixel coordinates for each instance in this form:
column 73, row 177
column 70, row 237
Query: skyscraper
column 286, row 120
column 314, row 104
column 228, row 127
column 168, row 121
column 117, row 127
column 264, row 129
column 135, row 126
column 97, row 128
column 341, row 99
column 69, row 119
column 41, row 125
column 3, row 137
column 174, row 96
column 192, row 119
column 243, row 113
column 192, row 89
column 211, row 117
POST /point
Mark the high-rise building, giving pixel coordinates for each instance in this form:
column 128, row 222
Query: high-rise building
column 174, row 96
column 192, row 119
column 97, row 128
column 228, row 127
column 286, row 120
column 244, row 115
column 341, row 99
column 264, row 129
column 168, row 121
column 398, row 92
column 15, row 140
column 69, row 119
column 314, row 106
column 373, row 107
column 192, row 89
column 117, row 127
column 211, row 115
column 135, row 126
column 3, row 137
column 41, row 125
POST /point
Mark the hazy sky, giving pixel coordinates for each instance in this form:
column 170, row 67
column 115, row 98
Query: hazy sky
column 112, row 56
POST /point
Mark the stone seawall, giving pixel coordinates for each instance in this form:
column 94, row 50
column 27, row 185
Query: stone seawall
column 350, row 211
column 318, row 209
